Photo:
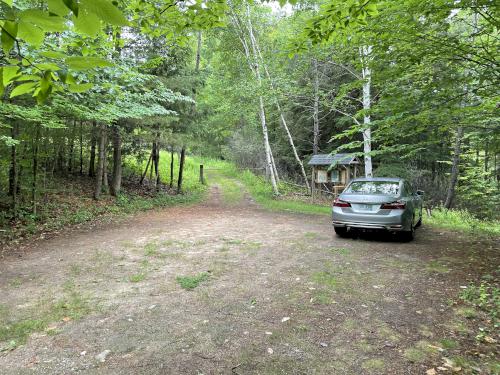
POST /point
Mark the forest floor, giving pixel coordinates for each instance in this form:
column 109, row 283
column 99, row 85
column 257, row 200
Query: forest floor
column 228, row 287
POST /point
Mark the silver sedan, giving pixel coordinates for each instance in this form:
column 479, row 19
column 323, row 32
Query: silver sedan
column 378, row 203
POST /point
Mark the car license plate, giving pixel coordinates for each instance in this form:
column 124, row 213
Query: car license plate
column 365, row 207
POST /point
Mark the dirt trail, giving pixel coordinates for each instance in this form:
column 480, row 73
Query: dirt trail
column 283, row 295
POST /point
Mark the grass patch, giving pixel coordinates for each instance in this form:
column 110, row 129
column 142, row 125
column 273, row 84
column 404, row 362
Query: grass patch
column 191, row 282
column 463, row 221
column 448, row 344
column 151, row 249
column 419, row 353
column 325, row 278
column 138, row 277
column 72, row 306
column 341, row 251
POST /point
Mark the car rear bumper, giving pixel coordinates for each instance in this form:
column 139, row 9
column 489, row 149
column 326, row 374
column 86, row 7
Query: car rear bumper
column 350, row 224
column 394, row 220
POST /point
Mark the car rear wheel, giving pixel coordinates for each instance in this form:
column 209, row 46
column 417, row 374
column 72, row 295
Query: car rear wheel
column 409, row 235
column 341, row 231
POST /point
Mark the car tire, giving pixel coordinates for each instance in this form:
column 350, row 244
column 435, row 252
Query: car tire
column 408, row 235
column 419, row 222
column 341, row 231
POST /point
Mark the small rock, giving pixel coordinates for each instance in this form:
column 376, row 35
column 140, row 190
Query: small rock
column 151, row 307
column 83, row 353
column 418, row 312
column 323, row 344
column 101, row 357
column 431, row 371
column 286, row 318
column 270, row 350
column 245, row 333
column 268, row 333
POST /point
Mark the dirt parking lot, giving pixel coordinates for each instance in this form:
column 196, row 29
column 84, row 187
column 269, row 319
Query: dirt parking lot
column 223, row 288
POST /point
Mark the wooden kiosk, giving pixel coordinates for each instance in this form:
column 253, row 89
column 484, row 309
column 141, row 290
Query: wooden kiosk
column 332, row 172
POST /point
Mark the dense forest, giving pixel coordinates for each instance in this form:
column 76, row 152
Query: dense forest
column 94, row 92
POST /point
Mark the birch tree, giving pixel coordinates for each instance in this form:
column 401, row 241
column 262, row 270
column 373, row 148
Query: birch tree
column 253, row 62
column 365, row 52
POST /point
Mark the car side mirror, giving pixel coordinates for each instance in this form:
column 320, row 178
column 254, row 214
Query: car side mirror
column 420, row 192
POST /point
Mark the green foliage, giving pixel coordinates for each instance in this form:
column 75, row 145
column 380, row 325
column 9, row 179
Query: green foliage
column 486, row 297
column 463, row 221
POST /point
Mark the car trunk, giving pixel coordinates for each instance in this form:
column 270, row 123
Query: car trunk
column 366, row 203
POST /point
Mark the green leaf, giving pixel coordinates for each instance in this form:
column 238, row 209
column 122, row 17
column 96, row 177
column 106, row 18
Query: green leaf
column 43, row 20
column 58, row 7
column 28, row 77
column 23, row 89
column 80, row 87
column 9, row 73
column 49, row 66
column 9, row 34
column 30, row 33
column 8, row 2
column 53, row 54
column 85, row 63
column 105, row 10
column 87, row 23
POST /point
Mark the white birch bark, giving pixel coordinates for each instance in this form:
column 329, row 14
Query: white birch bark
column 278, row 106
column 315, row 108
column 365, row 52
column 262, row 113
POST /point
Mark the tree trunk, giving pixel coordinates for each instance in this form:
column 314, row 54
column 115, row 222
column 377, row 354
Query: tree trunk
column 198, row 53
column 282, row 116
column 100, row 164
column 93, row 141
column 171, row 167
column 367, row 135
column 71, row 147
column 13, row 176
column 454, row 168
column 105, row 180
column 262, row 113
column 35, row 168
column 181, row 169
column 81, row 148
column 153, row 162
column 275, row 169
column 157, row 167
column 146, row 170
column 116, row 181
column 316, row 108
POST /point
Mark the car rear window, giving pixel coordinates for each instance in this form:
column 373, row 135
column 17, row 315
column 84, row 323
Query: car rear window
column 374, row 187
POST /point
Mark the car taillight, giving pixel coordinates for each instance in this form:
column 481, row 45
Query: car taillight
column 398, row 205
column 340, row 203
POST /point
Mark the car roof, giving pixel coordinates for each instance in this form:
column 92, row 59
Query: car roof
column 392, row 179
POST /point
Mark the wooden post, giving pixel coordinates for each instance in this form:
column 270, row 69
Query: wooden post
column 312, row 184
column 202, row 178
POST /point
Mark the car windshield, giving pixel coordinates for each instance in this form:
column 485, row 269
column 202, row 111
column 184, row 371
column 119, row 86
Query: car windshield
column 374, row 187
